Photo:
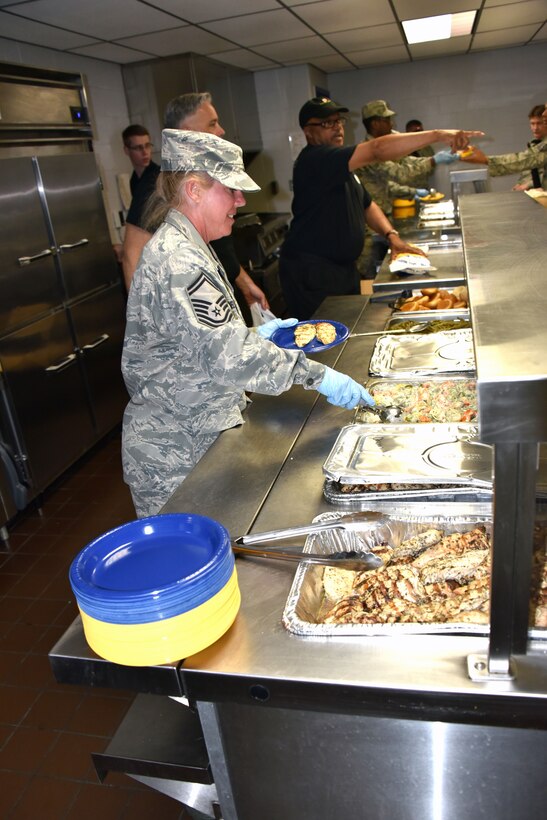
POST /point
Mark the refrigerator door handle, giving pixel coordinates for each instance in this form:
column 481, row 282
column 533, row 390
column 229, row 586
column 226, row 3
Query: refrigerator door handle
column 18, row 489
column 78, row 244
column 101, row 340
column 55, row 368
column 26, row 260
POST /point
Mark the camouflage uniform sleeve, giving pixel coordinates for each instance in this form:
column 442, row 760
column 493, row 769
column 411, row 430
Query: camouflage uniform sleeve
column 503, row 164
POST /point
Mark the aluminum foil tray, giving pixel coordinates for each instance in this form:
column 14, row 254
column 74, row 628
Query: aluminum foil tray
column 306, row 602
column 413, row 453
column 438, row 400
column 435, row 223
column 450, row 351
column 425, row 316
column 363, row 500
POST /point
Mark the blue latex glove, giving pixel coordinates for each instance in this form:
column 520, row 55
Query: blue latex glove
column 343, row 391
column 267, row 330
column 445, row 157
column 420, row 192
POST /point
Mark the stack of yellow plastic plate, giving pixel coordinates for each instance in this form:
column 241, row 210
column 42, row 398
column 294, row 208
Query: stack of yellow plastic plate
column 156, row 590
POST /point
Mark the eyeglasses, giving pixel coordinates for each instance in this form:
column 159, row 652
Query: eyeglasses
column 146, row 147
column 330, row 123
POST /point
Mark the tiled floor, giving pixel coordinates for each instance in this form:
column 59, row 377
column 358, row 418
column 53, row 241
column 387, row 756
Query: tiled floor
column 48, row 730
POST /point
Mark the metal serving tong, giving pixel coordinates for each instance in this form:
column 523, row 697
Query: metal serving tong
column 355, row 559
column 417, row 328
column 348, row 559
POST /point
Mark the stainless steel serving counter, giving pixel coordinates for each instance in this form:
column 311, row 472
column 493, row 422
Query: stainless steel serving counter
column 305, row 727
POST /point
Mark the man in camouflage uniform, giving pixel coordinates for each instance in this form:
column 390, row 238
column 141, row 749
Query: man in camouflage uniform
column 533, row 159
column 527, row 179
column 405, row 178
column 188, row 356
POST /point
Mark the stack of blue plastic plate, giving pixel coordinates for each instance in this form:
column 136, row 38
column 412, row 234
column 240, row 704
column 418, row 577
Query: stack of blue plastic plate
column 156, row 590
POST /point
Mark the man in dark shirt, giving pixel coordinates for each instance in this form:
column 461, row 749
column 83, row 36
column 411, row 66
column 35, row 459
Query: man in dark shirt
column 188, row 112
column 330, row 206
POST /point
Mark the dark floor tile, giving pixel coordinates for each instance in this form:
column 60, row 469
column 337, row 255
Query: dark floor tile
column 46, row 797
column 70, row 757
column 30, row 669
column 20, row 562
column 12, row 608
column 26, row 749
column 100, row 800
column 5, row 733
column 12, row 786
column 98, row 714
column 30, row 586
column 22, row 637
column 49, row 638
column 53, row 709
column 15, row 702
column 45, row 611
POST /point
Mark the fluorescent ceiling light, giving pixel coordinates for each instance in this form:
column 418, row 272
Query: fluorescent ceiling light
column 441, row 27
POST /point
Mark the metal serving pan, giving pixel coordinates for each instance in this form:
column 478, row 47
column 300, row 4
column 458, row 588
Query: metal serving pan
column 449, row 351
column 354, row 499
column 306, row 603
column 455, row 396
column 410, row 453
column 427, row 316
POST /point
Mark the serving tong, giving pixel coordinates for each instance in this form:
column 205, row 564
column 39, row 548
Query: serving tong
column 417, row 328
column 354, row 559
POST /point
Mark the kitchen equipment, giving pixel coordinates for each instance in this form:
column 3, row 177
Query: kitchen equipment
column 388, row 412
column 356, row 560
column 347, row 523
column 450, row 351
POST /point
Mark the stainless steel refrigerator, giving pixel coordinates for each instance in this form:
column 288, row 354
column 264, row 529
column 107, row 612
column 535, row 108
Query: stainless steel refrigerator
column 62, row 317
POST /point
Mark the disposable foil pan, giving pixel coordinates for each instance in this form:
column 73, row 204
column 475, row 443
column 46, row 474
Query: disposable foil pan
column 450, row 351
column 429, row 493
column 448, row 400
column 412, row 453
column 436, row 223
column 306, row 602
column 425, row 316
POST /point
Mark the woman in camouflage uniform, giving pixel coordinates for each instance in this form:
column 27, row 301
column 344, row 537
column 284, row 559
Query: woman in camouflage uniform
column 188, row 355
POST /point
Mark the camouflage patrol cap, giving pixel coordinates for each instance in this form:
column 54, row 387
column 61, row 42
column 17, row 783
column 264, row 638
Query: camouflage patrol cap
column 320, row 107
column 199, row 151
column 376, row 108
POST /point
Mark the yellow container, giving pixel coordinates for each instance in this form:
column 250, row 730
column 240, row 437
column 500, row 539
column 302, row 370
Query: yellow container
column 168, row 640
column 403, row 208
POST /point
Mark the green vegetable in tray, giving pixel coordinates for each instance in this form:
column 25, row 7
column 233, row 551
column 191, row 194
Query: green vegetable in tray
column 435, row 326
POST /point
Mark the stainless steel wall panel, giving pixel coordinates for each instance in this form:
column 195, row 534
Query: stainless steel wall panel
column 29, row 284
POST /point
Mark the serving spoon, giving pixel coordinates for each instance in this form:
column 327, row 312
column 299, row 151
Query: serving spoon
column 389, row 412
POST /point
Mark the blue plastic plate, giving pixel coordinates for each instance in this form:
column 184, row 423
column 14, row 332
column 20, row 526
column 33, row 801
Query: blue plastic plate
column 284, row 337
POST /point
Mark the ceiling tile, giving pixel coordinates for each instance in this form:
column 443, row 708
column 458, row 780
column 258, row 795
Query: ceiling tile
column 499, row 39
column 27, row 31
column 178, row 41
column 263, row 27
column 332, row 62
column 439, row 48
column 337, row 15
column 414, row 9
column 199, row 11
column 379, row 56
column 296, row 50
column 102, row 19
column 541, row 35
column 515, row 14
column 243, row 58
column 363, row 38
column 112, row 53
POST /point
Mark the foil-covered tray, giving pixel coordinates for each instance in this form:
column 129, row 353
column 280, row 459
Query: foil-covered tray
column 435, row 400
column 410, row 453
column 362, row 497
column 450, row 351
column 307, row 602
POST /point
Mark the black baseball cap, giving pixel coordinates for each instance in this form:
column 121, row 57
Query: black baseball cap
column 320, row 107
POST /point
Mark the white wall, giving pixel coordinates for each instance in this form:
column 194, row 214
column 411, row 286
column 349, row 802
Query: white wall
column 491, row 91
column 107, row 106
